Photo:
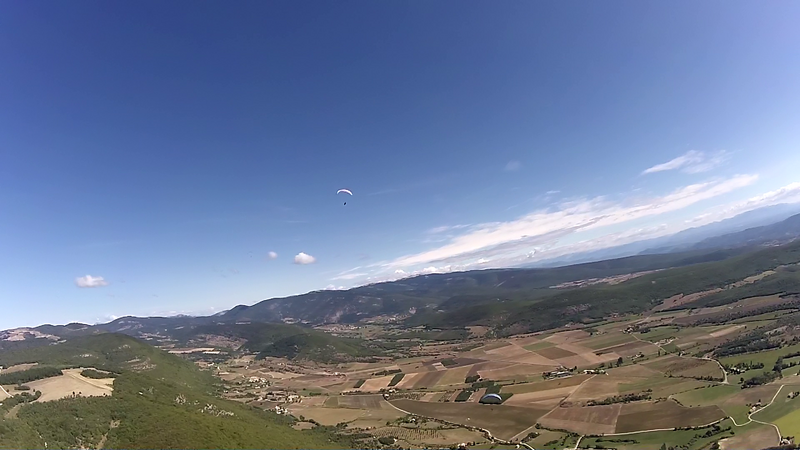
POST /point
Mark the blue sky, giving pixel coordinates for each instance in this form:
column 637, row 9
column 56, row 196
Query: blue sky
column 165, row 148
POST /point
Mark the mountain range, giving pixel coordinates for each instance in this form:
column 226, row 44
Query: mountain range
column 417, row 299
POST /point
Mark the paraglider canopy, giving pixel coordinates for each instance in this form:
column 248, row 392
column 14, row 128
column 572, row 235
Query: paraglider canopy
column 493, row 399
column 344, row 191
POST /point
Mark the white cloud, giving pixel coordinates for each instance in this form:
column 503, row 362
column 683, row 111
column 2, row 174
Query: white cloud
column 90, row 282
column 552, row 192
column 302, row 258
column 692, row 161
column 513, row 166
column 272, row 255
column 545, row 226
column 350, row 276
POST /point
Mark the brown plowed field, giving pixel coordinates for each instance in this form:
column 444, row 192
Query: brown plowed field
column 428, row 379
column 584, row 420
column 555, row 353
column 665, row 414
column 501, row 420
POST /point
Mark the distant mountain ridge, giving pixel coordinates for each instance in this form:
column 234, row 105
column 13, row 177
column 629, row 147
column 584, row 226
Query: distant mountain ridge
column 401, row 299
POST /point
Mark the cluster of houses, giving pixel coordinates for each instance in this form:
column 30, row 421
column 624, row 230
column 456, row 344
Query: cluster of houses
column 561, row 372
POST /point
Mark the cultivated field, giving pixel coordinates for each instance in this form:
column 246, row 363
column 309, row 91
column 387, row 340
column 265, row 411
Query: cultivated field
column 665, row 414
column 583, row 420
column 71, row 382
column 501, row 420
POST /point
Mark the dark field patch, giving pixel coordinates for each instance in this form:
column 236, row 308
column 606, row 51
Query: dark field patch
column 666, row 414
column 502, row 421
column 555, row 353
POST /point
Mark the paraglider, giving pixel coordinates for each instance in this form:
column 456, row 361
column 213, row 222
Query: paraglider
column 344, row 191
column 492, row 399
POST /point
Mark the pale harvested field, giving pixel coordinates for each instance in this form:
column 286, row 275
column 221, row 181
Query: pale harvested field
column 454, row 376
column 598, row 388
column 493, row 365
column 535, row 359
column 726, row 331
column 327, row 416
column 18, row 368
column 522, row 342
column 62, row 386
column 584, row 420
column 409, row 380
column 376, row 384
column 546, row 385
column 281, row 375
column 576, row 360
column 567, row 336
column 493, row 346
column 511, row 372
column 508, row 352
column 532, row 399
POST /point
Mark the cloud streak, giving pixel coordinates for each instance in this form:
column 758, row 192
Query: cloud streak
column 691, row 162
column 90, row 282
column 543, row 226
column 513, row 166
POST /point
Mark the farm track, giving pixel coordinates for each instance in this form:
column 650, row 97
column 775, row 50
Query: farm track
column 750, row 415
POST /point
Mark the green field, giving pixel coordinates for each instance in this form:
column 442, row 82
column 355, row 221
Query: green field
column 607, row 340
column 653, row 440
column 711, row 395
column 781, row 408
column 767, row 357
column 538, row 346
column 789, row 424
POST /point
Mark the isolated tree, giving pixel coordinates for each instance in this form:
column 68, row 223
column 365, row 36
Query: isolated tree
column 619, row 361
column 663, row 447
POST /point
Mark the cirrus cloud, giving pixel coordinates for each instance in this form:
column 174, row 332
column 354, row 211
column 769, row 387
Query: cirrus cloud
column 303, row 259
column 90, row 282
column 692, row 161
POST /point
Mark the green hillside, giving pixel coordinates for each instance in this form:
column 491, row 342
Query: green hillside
column 634, row 296
column 289, row 341
column 165, row 404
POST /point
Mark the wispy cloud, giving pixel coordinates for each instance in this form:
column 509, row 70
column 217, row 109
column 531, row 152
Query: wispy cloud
column 692, row 161
column 556, row 231
column 513, row 166
column 303, row 259
column 90, row 282
column 544, row 225
column 444, row 228
column 786, row 194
